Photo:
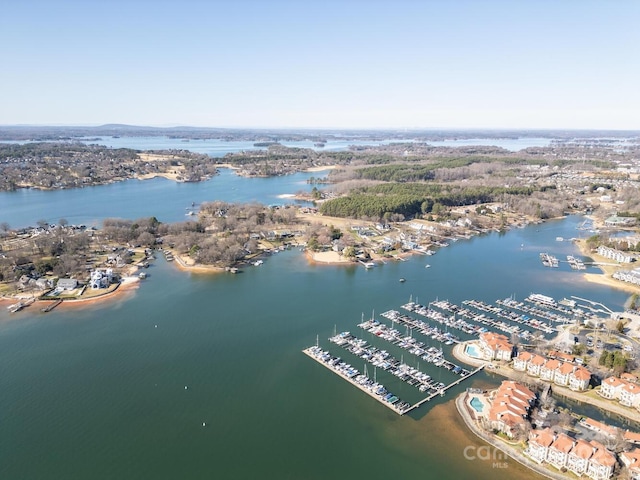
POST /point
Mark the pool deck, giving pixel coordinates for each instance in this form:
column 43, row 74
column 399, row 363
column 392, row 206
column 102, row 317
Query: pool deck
column 460, row 352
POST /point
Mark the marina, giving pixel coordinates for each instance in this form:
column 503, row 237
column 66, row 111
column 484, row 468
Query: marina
column 549, row 260
column 484, row 315
column 386, row 362
column 355, row 378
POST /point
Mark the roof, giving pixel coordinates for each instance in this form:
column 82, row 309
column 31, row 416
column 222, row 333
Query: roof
column 542, row 437
column 632, row 388
column 524, row 356
column 538, row 360
column 602, row 455
column 552, row 364
column 562, row 443
column 614, row 382
column 582, row 449
column 496, row 341
column 510, row 403
column 632, row 458
column 562, row 356
column 600, row 427
column 566, row 368
column 582, row 373
column 632, row 437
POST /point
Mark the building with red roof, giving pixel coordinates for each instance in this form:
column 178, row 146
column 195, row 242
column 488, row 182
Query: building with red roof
column 495, row 346
column 510, row 405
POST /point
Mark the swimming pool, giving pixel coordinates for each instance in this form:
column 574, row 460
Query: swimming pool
column 477, row 404
column 472, row 351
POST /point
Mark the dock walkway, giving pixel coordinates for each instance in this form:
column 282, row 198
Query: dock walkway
column 350, row 374
column 443, row 390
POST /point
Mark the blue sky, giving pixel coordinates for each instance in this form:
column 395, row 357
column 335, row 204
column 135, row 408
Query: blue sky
column 308, row 63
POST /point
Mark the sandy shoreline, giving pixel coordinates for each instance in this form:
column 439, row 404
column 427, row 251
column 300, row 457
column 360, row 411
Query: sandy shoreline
column 328, row 258
column 188, row 265
column 605, row 278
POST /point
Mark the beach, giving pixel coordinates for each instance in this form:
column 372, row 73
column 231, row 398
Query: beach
column 328, row 258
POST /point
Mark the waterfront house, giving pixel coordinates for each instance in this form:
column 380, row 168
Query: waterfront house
column 67, row 284
column 554, row 370
column 617, row 255
column 629, row 276
column 611, row 387
column 631, row 460
column 579, row 379
column 535, row 365
column 548, row 370
column 559, row 451
column 521, row 361
column 510, row 405
column 602, row 462
column 100, row 278
column 630, row 395
column 539, row 443
column 578, row 457
column 562, row 374
column 614, row 388
column 495, row 346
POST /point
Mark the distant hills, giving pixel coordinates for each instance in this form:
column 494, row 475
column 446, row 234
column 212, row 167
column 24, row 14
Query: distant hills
column 57, row 133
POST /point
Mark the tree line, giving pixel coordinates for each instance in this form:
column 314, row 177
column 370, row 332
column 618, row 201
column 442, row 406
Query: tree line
column 412, row 199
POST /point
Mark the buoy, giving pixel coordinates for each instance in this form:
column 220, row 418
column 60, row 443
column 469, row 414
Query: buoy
column 185, row 387
column 204, row 424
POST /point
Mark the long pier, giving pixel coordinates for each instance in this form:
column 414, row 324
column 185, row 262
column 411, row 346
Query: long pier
column 51, row 306
column 374, row 390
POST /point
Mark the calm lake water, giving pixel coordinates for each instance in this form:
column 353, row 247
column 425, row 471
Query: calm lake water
column 167, row 200
column 122, row 389
column 202, row 376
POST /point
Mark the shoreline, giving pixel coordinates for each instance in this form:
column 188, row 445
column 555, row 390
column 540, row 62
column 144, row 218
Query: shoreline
column 327, row 258
column 127, row 285
column 194, row 267
column 604, row 278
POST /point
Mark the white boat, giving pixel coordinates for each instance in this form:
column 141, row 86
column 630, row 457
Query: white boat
column 427, row 266
column 257, row 263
